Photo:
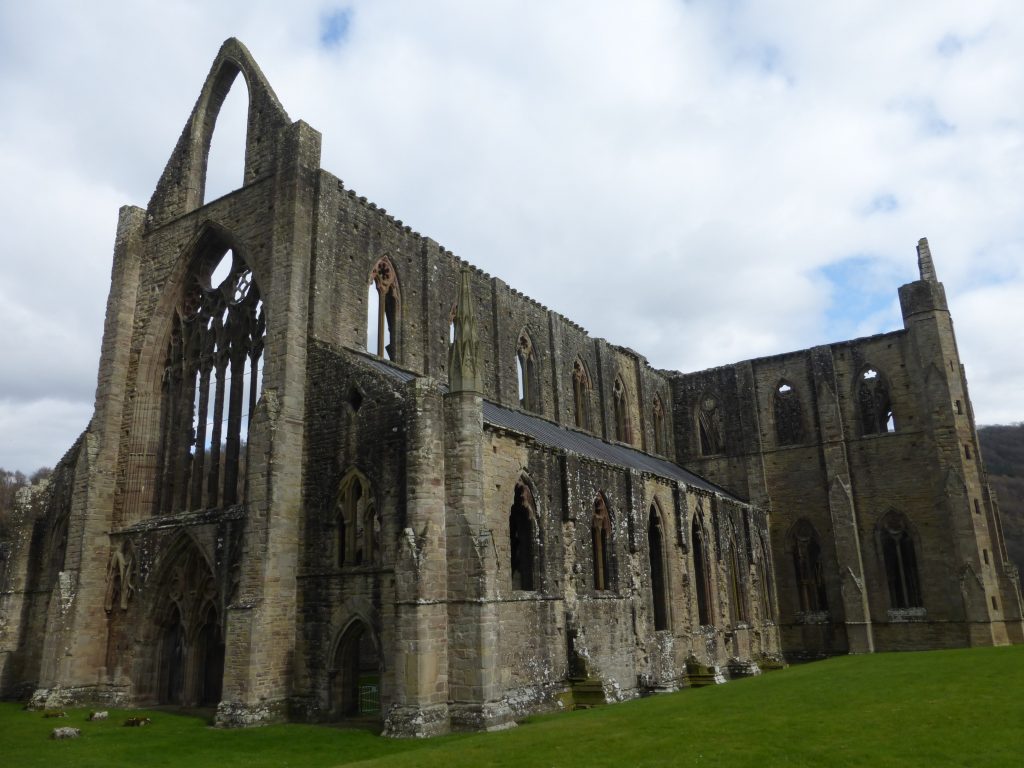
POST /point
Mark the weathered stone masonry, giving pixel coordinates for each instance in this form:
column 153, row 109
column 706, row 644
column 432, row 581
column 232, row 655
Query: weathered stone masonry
column 486, row 514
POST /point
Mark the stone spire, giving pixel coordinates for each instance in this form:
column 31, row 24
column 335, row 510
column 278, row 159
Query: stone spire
column 924, row 261
column 464, row 352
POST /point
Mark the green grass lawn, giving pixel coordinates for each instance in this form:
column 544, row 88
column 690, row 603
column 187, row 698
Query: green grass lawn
column 962, row 708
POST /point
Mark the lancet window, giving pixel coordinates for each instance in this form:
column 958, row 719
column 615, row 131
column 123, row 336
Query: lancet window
column 789, row 416
column 601, row 537
column 810, row 577
column 737, row 590
column 659, row 572
column 211, row 383
column 875, row 404
column 358, row 522
column 709, row 426
column 701, row 573
column 660, row 426
column 620, row 396
column 900, row 562
column 383, row 306
column 526, row 369
column 581, row 390
column 522, row 534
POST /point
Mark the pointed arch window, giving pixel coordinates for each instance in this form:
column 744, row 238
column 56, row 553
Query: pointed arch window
column 660, row 426
column 874, row 402
column 358, row 522
column 701, row 573
column 659, row 571
column 528, row 381
column 522, row 534
column 211, row 383
column 810, row 576
column 581, row 389
column 789, row 415
column 601, row 536
column 737, row 585
column 383, row 307
column 900, row 562
column 709, row 426
column 620, row 396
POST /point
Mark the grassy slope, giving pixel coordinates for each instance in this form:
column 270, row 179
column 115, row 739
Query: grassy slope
column 927, row 709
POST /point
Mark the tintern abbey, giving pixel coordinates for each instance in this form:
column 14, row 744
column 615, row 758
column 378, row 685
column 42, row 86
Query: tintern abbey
column 488, row 513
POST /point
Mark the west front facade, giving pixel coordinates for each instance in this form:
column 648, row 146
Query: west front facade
column 466, row 509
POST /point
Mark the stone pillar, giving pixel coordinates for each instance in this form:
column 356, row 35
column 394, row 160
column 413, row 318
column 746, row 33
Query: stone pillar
column 261, row 622
column 843, row 511
column 420, row 697
column 474, row 676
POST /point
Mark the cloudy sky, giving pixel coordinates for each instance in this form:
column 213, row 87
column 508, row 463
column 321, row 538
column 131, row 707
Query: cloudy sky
column 702, row 181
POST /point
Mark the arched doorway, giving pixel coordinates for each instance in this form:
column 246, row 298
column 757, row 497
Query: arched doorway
column 355, row 674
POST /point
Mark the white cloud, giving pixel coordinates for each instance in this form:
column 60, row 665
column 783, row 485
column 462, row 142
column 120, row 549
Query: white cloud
column 672, row 176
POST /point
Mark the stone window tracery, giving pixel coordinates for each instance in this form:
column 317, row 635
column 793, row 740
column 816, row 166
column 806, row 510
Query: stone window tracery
column 211, row 384
column 660, row 426
column 737, row 591
column 522, row 531
column 900, row 562
column 875, row 403
column 810, row 575
column 789, row 415
column 358, row 522
column 601, row 537
column 581, row 389
column 709, row 426
column 620, row 396
column 527, row 378
column 383, row 308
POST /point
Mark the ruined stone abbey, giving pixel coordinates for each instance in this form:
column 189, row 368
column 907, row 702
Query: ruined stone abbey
column 487, row 512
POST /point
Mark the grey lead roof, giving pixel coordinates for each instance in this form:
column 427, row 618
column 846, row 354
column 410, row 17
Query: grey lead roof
column 579, row 443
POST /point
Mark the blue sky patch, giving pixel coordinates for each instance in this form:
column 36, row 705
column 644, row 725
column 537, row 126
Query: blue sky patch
column 883, row 203
column 949, row 46
column 863, row 296
column 334, row 27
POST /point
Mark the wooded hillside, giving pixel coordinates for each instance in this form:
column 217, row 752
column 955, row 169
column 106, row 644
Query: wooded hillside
column 1002, row 448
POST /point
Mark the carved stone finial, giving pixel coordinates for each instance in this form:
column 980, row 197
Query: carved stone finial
column 464, row 351
column 924, row 261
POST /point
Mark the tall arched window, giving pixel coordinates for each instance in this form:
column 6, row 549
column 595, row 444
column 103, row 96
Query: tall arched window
column 876, row 416
column 522, row 536
column 810, row 577
column 383, row 306
column 737, row 585
column 900, row 562
column 581, row 389
column 656, row 555
column 601, row 536
column 358, row 522
column 709, row 426
column 660, row 426
column 211, row 383
column 789, row 415
column 620, row 396
column 526, row 368
column 701, row 573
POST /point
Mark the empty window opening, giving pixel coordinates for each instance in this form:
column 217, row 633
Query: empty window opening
column 225, row 164
column 984, row 554
column 382, row 310
column 212, row 381
column 959, row 408
column 355, row 398
column 701, row 574
column 528, row 384
column 522, row 535
column 900, row 562
column 620, row 397
column 810, row 576
column 789, row 416
column 876, row 414
column 977, row 507
column 995, row 605
column 709, row 426
column 967, row 451
column 656, row 555
column 358, row 522
column 581, row 390
column 600, row 534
